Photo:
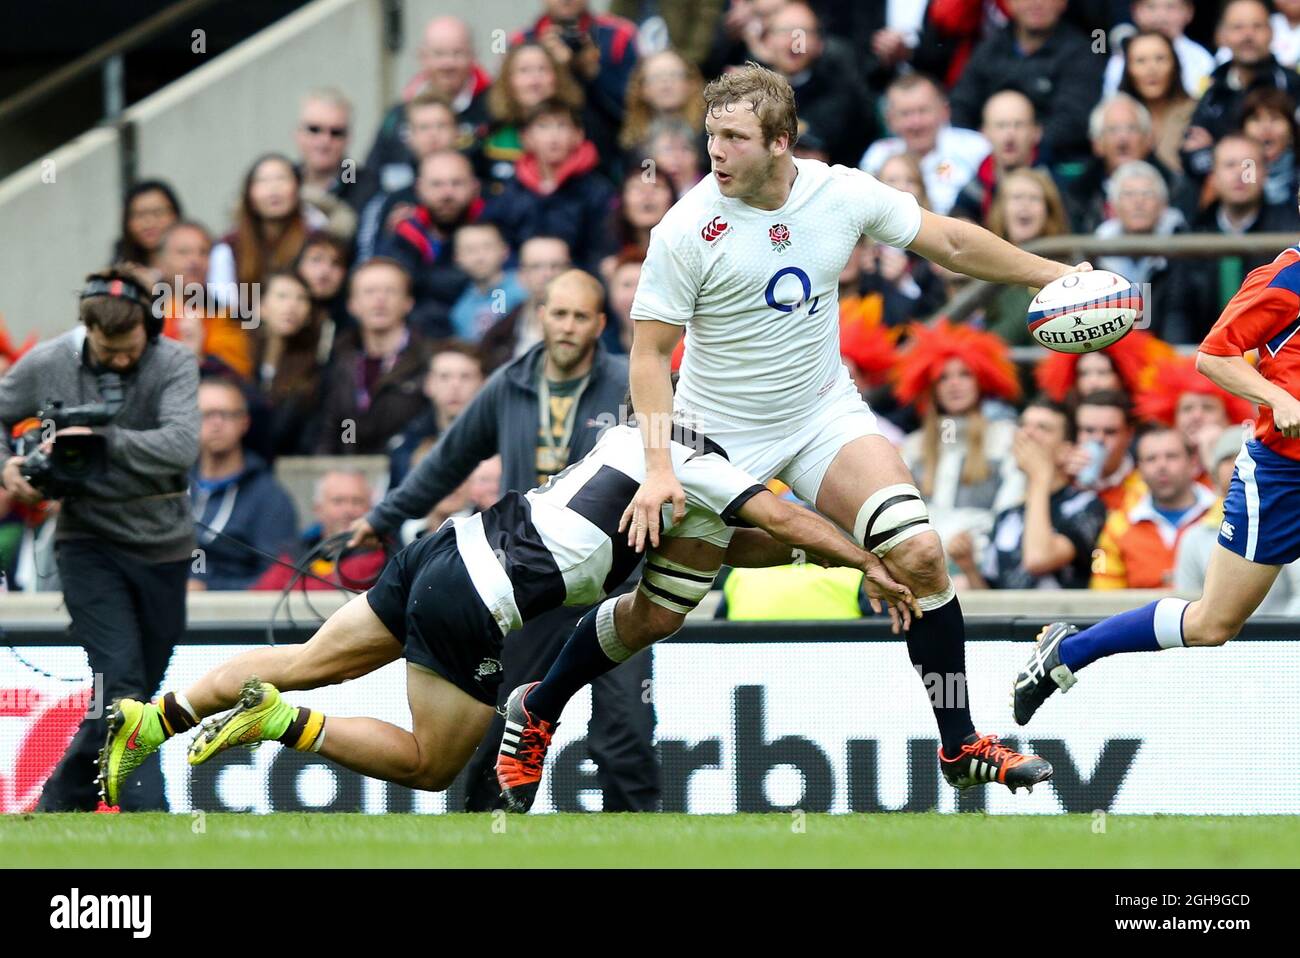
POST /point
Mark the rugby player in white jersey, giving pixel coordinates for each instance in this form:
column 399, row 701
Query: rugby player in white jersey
column 748, row 263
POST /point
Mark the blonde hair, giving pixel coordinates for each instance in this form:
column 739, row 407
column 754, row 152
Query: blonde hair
column 765, row 91
column 1056, row 223
column 913, row 167
column 975, row 461
column 640, row 114
column 501, row 103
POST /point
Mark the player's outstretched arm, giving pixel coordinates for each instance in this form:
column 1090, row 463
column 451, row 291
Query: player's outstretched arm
column 650, row 376
column 966, row 248
column 1242, row 379
column 804, row 529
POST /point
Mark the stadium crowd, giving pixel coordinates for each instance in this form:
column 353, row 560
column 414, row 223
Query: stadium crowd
column 401, row 287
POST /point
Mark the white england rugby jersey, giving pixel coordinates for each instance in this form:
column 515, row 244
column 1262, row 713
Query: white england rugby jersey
column 560, row 544
column 758, row 290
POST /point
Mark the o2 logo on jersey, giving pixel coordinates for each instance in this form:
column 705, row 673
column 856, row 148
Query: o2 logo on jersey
column 790, row 275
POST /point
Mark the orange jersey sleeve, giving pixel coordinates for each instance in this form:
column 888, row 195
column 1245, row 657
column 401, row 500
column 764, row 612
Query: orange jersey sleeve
column 1265, row 315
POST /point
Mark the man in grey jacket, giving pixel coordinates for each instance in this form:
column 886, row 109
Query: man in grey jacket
column 543, row 412
column 124, row 539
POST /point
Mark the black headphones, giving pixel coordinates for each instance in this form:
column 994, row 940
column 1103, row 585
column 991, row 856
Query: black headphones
column 132, row 293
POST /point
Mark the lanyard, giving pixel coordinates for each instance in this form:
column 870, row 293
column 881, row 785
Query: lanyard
column 544, row 413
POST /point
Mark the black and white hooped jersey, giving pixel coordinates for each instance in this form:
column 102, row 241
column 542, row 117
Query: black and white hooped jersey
column 560, row 544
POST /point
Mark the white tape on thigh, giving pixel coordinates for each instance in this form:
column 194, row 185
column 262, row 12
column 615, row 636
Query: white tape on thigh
column 674, row 586
column 607, row 633
column 890, row 516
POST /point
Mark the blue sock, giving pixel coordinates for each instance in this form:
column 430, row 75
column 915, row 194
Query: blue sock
column 1157, row 625
column 587, row 655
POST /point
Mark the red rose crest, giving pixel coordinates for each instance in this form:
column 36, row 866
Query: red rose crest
column 780, row 237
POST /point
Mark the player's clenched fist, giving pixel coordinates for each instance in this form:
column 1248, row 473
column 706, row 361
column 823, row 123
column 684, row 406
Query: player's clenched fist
column 1286, row 416
column 641, row 517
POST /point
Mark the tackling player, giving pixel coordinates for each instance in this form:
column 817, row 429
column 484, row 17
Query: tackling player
column 447, row 600
column 1261, row 523
column 748, row 262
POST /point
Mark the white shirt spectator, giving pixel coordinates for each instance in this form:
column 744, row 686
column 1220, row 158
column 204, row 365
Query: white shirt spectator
column 953, row 162
column 1197, row 63
column 1286, row 41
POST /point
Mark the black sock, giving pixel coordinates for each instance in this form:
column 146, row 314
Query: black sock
column 936, row 643
column 580, row 661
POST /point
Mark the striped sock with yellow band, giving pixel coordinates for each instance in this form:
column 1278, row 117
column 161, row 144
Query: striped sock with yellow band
column 306, row 732
column 177, row 714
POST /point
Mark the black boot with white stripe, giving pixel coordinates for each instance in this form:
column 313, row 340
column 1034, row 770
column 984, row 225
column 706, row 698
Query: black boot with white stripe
column 1043, row 674
column 984, row 759
column 523, row 751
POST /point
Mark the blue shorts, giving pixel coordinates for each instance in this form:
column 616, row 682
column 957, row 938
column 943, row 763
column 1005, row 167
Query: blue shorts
column 1261, row 513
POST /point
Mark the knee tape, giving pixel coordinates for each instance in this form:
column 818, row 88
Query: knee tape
column 673, row 586
column 892, row 515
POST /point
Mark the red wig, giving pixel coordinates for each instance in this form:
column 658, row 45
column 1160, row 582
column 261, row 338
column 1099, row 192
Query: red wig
column 1135, row 358
column 929, row 348
column 1177, row 376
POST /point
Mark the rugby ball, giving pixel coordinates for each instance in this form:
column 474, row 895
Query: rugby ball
column 1083, row 312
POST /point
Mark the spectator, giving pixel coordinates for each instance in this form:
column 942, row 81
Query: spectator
column 1193, row 555
column 341, row 498
column 149, row 210
column 1245, row 31
column 1013, row 132
column 684, row 25
column 949, row 371
column 623, row 280
column 1045, row 542
column 1151, row 77
column 1121, row 132
column 1127, row 366
column 1050, row 62
column 332, row 183
column 478, row 492
column 573, row 387
column 556, row 189
column 827, row 93
column 448, row 71
column 1027, row 207
column 909, row 283
column 454, row 378
column 529, row 76
column 643, row 201
column 672, row 146
column 270, row 228
column 885, row 36
column 493, row 291
column 238, row 506
column 741, row 35
column 664, row 87
column 220, row 340
column 1104, row 420
column 1239, row 210
column 448, row 195
column 1268, row 117
column 916, row 110
column 950, row 32
column 1137, row 545
column 599, row 52
column 431, row 128
column 1182, row 398
column 373, row 387
column 289, row 366
column 1285, row 22
column 541, row 259
column 1192, row 63
column 1174, row 305
column 323, row 266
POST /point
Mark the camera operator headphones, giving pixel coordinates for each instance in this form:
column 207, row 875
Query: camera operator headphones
column 132, row 293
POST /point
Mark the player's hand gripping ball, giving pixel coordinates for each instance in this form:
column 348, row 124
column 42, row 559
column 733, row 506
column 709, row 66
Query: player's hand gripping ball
column 1083, row 312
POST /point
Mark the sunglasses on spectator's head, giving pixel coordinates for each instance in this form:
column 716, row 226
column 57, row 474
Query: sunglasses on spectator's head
column 315, row 129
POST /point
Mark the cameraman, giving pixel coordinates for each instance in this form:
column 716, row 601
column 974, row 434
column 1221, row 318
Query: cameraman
column 125, row 537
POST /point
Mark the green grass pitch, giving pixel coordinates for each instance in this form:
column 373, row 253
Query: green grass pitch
column 775, row 840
